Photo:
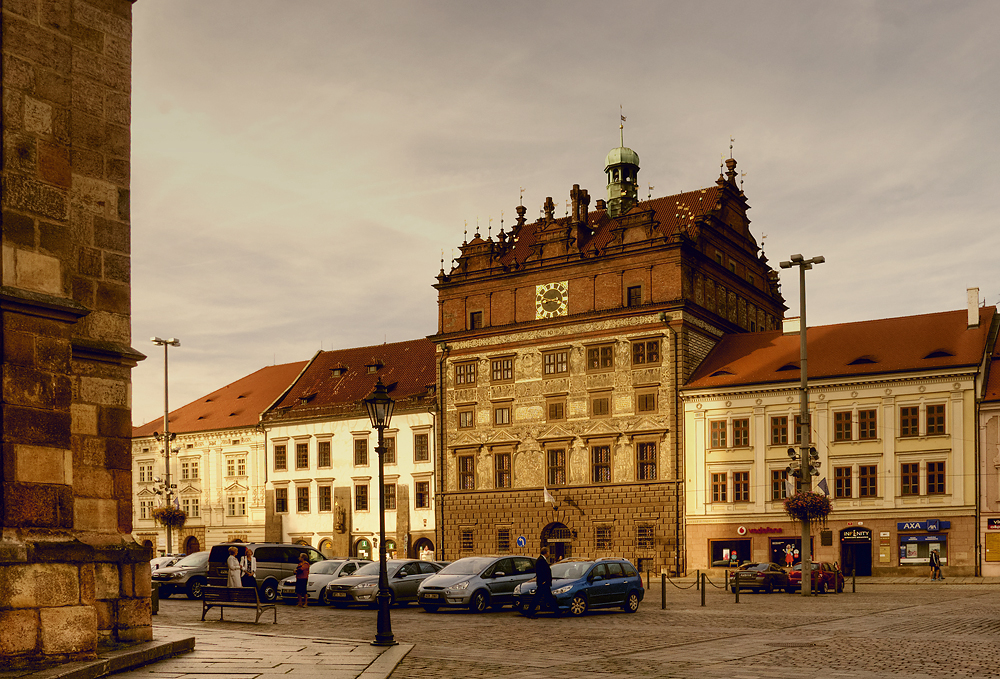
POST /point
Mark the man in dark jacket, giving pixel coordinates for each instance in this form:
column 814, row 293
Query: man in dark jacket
column 543, row 578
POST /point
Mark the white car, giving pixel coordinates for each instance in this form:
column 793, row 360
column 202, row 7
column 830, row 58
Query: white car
column 321, row 574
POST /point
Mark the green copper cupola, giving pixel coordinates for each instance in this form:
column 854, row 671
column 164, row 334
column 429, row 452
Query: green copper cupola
column 622, row 168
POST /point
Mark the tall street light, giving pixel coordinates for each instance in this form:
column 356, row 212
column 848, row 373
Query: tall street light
column 166, row 343
column 805, row 461
column 380, row 411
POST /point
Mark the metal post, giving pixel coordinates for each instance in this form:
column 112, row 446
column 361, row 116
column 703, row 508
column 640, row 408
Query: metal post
column 383, row 630
column 697, row 578
column 166, row 436
column 663, row 591
column 726, row 581
column 702, row 589
column 854, row 579
column 736, row 587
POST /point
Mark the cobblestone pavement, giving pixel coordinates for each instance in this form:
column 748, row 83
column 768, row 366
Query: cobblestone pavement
column 882, row 631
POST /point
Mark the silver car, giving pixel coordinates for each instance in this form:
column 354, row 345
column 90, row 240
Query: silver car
column 476, row 583
column 405, row 575
column 321, row 574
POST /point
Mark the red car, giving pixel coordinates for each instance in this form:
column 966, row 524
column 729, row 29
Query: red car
column 825, row 576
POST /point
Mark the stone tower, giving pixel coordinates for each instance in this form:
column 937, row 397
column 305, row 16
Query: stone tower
column 71, row 577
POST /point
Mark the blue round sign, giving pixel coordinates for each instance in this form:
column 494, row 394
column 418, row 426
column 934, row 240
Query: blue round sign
column 521, row 542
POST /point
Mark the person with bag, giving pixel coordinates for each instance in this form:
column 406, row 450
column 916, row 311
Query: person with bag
column 936, row 565
column 302, row 580
column 248, row 566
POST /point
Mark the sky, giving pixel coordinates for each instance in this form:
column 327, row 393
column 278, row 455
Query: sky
column 300, row 166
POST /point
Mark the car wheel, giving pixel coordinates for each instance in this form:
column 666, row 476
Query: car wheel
column 821, row 587
column 479, row 602
column 429, row 608
column 194, row 588
column 324, row 597
column 631, row 602
column 269, row 591
column 578, row 606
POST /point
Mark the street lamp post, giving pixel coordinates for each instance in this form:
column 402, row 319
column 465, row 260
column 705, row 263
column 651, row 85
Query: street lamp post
column 165, row 343
column 380, row 411
column 805, row 460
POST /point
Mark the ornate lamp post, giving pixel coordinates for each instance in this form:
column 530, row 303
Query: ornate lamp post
column 166, row 343
column 380, row 411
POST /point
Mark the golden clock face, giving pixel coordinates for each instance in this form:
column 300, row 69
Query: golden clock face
column 550, row 299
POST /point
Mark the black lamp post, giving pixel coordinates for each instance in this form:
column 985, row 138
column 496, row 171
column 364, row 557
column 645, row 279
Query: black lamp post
column 380, row 411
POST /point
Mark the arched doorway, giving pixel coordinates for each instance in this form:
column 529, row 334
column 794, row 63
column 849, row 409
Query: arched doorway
column 363, row 549
column 424, row 549
column 326, row 546
column 147, row 543
column 390, row 549
column 191, row 545
column 856, row 550
column 559, row 539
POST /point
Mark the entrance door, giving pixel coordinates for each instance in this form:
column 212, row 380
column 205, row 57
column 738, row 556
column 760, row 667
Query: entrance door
column 191, row 545
column 856, row 551
column 559, row 539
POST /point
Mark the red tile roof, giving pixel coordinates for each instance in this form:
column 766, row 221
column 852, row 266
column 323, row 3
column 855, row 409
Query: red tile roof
column 406, row 368
column 993, row 383
column 239, row 404
column 888, row 345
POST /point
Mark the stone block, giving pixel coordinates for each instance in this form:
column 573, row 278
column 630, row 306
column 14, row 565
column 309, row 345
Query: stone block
column 53, row 164
column 55, row 14
column 54, row 87
column 83, row 290
column 135, row 634
column 118, row 140
column 33, row 43
column 37, row 116
column 94, row 195
column 84, row 419
column 18, row 229
column 117, row 267
column 21, row 193
column 93, row 482
column 32, row 426
column 103, row 21
column 18, row 632
column 88, row 163
column 106, row 612
column 89, row 262
column 17, row 587
column 69, row 630
column 118, row 108
column 103, row 392
column 115, row 422
column 106, row 581
column 53, row 355
column 111, row 235
column 88, row 583
column 118, row 454
column 87, row 130
column 18, row 74
column 143, row 586
column 57, row 584
column 134, row 613
column 113, row 297
column 126, row 574
column 37, row 464
column 95, row 514
column 125, row 516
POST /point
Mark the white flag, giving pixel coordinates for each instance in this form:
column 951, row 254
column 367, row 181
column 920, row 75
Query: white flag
column 789, row 487
column 547, row 496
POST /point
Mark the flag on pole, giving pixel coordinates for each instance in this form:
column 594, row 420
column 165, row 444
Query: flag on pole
column 789, row 487
column 547, row 497
column 822, row 485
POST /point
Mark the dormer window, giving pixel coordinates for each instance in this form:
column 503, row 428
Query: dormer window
column 373, row 366
column 337, row 372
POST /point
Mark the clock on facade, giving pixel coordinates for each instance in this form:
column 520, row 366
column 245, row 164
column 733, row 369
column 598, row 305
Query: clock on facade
column 550, row 299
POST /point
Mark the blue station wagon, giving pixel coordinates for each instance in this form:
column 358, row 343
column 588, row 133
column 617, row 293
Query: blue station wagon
column 579, row 585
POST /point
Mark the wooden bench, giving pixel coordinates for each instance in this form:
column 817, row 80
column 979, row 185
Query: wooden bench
column 234, row 597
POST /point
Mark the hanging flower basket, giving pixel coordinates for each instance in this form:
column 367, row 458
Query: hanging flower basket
column 170, row 516
column 808, row 506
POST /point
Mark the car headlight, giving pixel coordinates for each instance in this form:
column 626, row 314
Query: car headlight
column 177, row 576
column 517, row 590
column 366, row 585
column 459, row 586
column 562, row 590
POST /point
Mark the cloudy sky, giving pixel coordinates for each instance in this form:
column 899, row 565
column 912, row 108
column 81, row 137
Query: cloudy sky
column 298, row 166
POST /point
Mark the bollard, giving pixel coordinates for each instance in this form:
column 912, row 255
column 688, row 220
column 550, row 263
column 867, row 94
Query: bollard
column 854, row 579
column 663, row 591
column 736, row 588
column 702, row 589
column 697, row 577
column 647, row 578
column 726, row 583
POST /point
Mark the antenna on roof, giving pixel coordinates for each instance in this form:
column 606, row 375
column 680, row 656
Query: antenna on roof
column 465, row 233
column 522, row 196
column 731, row 140
column 477, row 227
column 621, row 125
column 722, row 164
column 501, row 221
column 489, row 229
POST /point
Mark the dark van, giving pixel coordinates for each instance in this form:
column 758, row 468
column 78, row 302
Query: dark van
column 275, row 562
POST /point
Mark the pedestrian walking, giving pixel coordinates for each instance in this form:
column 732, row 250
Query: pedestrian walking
column 302, row 580
column 248, row 567
column 543, row 589
column 233, row 564
column 936, row 565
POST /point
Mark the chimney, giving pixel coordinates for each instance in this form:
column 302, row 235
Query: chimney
column 574, row 195
column 790, row 326
column 584, row 207
column 973, row 297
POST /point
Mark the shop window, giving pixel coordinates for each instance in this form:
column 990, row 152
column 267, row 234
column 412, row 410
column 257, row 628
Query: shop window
column 779, row 431
column 779, row 491
column 867, row 424
column 360, row 452
column 729, row 552
column 601, row 358
column 281, row 500
column 502, row 369
column 421, row 449
column 741, row 433
column 466, row 472
column 909, row 421
column 600, row 460
column 501, row 468
column 646, row 462
column 741, row 486
column 280, row 458
column 935, row 419
column 842, row 430
column 555, row 362
column 868, row 481
column 718, row 430
column 361, row 498
column 909, row 475
column 557, row 467
column 646, row 352
column 719, row 487
column 465, row 374
column 935, row 478
column 842, row 482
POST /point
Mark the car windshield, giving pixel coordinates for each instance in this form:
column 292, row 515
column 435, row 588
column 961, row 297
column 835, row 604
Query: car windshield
column 369, row 569
column 193, row 560
column 798, row 567
column 467, row 566
column 325, row 567
column 756, row 567
column 568, row 570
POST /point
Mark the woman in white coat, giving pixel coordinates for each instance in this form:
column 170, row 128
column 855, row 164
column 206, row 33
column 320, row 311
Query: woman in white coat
column 248, row 565
column 233, row 564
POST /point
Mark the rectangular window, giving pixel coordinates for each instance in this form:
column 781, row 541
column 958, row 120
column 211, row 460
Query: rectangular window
column 501, row 468
column 798, row 430
column 466, row 472
column 842, row 430
column 468, row 543
column 600, row 460
column 145, row 509
column 145, row 473
column 389, row 455
column 602, row 538
column 909, row 476
column 281, row 500
column 935, row 419
column 194, row 510
column 465, row 373
column 935, row 478
column 241, row 466
column 360, row 452
column 647, row 460
column 741, row 433
column 557, row 467
column 600, row 358
column 231, row 466
column 502, row 369
column 361, row 498
column 842, row 482
column 557, row 410
column 185, row 471
column 466, row 418
column 867, row 424
column 475, row 320
column 718, row 429
column 280, row 461
column 719, row 487
column 868, row 481
column 634, row 296
column 390, row 496
column 556, row 362
column 323, row 457
column 909, row 421
column 302, row 456
column 325, row 498
column 644, row 537
column 646, row 403
column 302, row 499
column 421, row 450
column 423, row 495
column 741, row 486
column 501, row 415
column 646, row 352
column 600, row 406
column 236, row 505
column 503, row 540
column 779, row 431
column 779, row 491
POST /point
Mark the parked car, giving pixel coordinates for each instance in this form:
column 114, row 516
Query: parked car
column 166, row 560
column 765, row 577
column 188, row 575
column 321, row 574
column 405, row 576
column 824, row 576
column 579, row 585
column 476, row 582
column 275, row 562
